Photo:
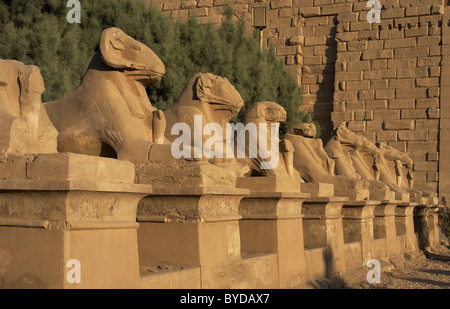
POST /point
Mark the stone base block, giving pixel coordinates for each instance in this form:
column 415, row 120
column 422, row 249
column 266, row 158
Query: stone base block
column 317, row 261
column 67, row 167
column 14, row 167
column 71, row 217
column 402, row 196
column 354, row 194
column 322, row 228
column 385, row 196
column 41, row 258
column 317, row 189
column 422, row 200
column 269, row 184
column 194, row 228
column 262, row 271
column 189, row 175
column 272, row 223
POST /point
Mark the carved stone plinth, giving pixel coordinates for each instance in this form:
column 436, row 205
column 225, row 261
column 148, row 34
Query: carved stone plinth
column 183, row 228
column 317, row 189
column 272, row 223
column 384, row 226
column 404, row 218
column 189, row 175
column 426, row 225
column 380, row 192
column 62, row 214
column 358, row 226
column 425, row 200
column 405, row 197
column 322, row 227
column 269, row 184
column 67, row 167
column 354, row 194
column 435, row 222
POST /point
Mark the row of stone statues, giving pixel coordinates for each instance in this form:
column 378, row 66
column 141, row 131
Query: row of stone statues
column 110, row 115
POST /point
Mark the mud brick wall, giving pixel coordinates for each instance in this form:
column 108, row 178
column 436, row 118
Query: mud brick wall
column 387, row 81
column 384, row 79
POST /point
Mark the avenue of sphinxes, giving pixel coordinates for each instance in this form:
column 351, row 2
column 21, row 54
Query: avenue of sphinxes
column 100, row 189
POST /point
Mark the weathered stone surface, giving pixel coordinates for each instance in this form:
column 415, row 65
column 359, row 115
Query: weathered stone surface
column 112, row 94
column 269, row 184
column 317, row 189
column 209, row 97
column 59, row 215
column 383, row 80
column 357, row 158
column 316, row 166
column 269, row 156
column 24, row 124
column 201, row 174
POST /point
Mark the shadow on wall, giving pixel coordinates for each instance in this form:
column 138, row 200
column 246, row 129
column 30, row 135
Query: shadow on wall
column 333, row 279
column 325, row 93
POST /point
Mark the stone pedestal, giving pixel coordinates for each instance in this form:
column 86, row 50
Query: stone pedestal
column 188, row 175
column 431, row 201
column 183, row 228
column 426, row 225
column 433, row 220
column 358, row 227
column 272, row 223
column 322, row 228
column 384, row 226
column 405, row 197
column 61, row 214
column 404, row 218
column 317, row 189
column 269, row 184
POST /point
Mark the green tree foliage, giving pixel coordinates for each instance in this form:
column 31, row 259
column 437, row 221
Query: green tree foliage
column 36, row 32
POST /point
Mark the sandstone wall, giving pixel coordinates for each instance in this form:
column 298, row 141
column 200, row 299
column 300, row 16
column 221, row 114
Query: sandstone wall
column 383, row 79
column 387, row 81
column 444, row 128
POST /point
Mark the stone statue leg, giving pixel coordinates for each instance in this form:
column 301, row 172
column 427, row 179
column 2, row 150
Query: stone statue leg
column 47, row 134
column 129, row 136
column 6, row 121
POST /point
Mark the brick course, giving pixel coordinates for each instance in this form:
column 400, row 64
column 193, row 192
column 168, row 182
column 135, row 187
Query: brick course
column 382, row 79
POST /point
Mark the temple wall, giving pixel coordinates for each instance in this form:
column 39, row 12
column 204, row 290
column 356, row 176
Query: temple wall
column 383, row 79
column 387, row 81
